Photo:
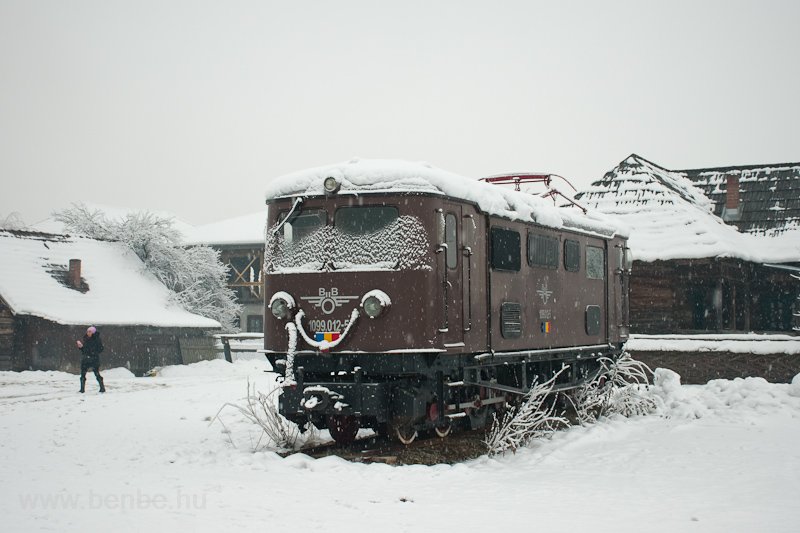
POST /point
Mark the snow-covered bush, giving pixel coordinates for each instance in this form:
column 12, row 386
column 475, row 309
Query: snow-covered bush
column 620, row 388
column 262, row 410
column 534, row 418
column 195, row 275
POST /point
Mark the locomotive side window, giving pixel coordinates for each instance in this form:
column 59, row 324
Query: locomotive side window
column 505, row 252
column 451, row 240
column 542, row 251
column 595, row 262
column 364, row 220
column 572, row 255
column 302, row 224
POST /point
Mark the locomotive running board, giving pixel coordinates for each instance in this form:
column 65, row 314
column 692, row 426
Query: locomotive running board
column 543, row 355
column 569, row 357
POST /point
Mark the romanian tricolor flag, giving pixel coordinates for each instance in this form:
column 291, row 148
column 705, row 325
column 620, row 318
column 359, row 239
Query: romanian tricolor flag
column 326, row 336
column 546, row 327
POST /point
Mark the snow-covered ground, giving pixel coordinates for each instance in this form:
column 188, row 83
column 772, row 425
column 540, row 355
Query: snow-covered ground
column 143, row 457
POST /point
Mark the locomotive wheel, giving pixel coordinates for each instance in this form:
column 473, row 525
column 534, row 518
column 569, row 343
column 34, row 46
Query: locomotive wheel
column 443, row 431
column 343, row 428
column 405, row 434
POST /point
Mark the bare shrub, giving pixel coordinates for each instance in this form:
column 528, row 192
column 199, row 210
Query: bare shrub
column 620, row 388
column 262, row 410
column 533, row 419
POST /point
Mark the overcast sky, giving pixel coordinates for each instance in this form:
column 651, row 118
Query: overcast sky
column 192, row 107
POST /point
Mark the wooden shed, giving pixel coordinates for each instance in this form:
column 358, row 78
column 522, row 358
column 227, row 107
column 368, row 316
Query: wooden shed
column 52, row 287
column 693, row 271
column 715, row 255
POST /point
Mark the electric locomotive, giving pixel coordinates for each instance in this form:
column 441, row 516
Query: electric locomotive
column 405, row 298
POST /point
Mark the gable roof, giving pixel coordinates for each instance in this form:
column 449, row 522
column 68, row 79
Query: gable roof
column 671, row 218
column 241, row 230
column 120, row 292
column 769, row 195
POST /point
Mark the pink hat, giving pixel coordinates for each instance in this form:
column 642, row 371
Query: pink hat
column 91, row 329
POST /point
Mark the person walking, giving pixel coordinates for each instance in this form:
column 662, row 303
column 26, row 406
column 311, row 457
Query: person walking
column 91, row 346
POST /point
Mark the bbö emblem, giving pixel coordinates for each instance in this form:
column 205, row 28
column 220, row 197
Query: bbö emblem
column 544, row 291
column 328, row 301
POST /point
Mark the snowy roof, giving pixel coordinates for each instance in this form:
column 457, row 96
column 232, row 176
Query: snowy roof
column 769, row 195
column 246, row 229
column 671, row 218
column 360, row 176
column 33, row 270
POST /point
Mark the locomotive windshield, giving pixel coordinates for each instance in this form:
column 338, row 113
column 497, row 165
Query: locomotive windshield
column 302, row 224
column 363, row 220
column 360, row 238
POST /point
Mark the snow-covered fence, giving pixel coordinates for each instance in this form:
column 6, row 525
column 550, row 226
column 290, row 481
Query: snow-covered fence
column 233, row 346
column 700, row 358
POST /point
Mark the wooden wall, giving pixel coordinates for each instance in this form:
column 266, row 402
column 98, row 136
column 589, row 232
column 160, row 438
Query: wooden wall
column 725, row 295
column 6, row 337
column 44, row 345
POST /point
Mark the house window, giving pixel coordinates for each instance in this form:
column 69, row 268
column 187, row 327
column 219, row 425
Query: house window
column 505, row 252
column 595, row 262
column 542, row 251
column 572, row 255
column 255, row 324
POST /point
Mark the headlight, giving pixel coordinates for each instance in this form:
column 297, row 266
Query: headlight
column 281, row 305
column 375, row 302
column 330, row 185
column 280, row 309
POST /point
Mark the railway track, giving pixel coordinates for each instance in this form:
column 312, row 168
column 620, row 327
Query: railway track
column 455, row 448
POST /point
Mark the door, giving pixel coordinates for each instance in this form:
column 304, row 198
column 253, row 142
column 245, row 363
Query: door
column 453, row 282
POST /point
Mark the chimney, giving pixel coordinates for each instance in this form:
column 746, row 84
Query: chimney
column 74, row 275
column 732, row 212
column 732, row 194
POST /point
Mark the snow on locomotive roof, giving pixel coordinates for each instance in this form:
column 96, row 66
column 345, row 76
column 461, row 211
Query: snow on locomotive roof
column 359, row 176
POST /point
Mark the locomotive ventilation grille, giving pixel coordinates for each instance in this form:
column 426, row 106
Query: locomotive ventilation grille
column 511, row 320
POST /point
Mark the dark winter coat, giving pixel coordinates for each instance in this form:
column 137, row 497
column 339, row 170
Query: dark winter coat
column 92, row 346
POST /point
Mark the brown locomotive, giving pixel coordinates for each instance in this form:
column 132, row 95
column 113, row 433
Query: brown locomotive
column 405, row 298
